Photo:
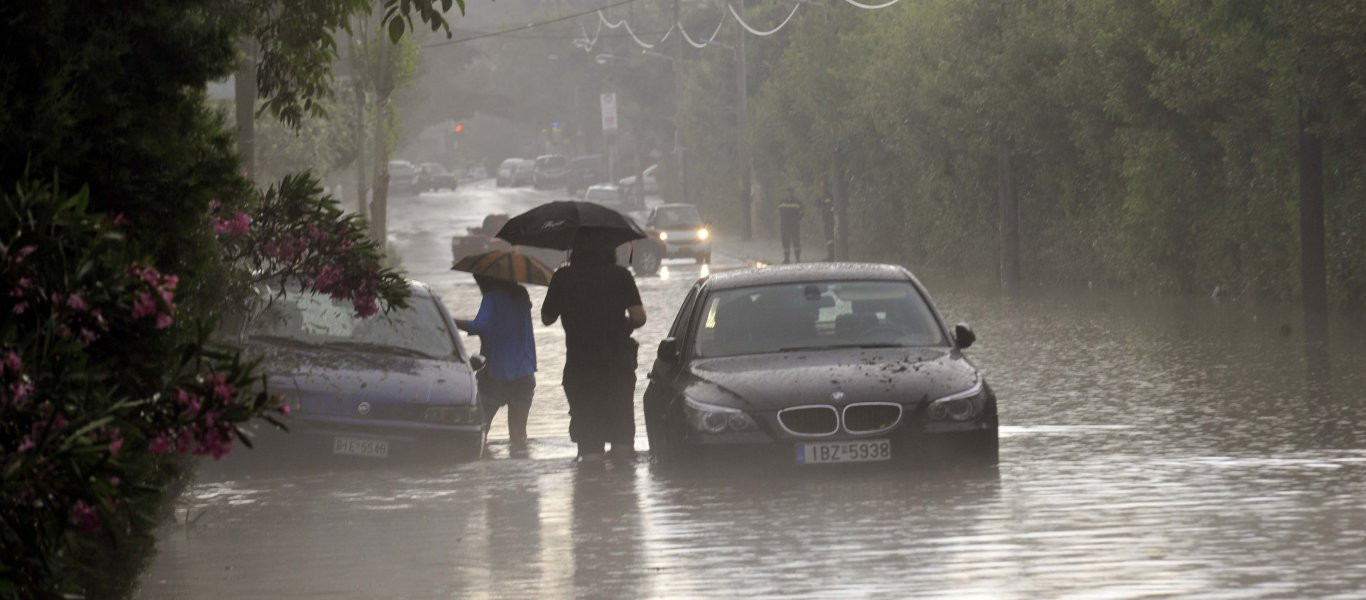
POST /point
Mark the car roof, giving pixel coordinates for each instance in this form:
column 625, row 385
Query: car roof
column 806, row 273
column 676, row 205
column 602, row 186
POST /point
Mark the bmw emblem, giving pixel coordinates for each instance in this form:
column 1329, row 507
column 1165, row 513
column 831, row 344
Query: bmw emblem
column 363, row 408
column 837, row 395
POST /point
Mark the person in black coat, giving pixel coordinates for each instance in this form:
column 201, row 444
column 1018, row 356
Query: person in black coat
column 600, row 307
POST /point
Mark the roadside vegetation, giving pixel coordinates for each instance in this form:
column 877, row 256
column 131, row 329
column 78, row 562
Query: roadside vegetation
column 1148, row 144
column 127, row 227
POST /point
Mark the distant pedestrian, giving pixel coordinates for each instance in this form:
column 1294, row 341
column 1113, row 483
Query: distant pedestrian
column 827, row 206
column 601, row 306
column 503, row 325
column 790, row 222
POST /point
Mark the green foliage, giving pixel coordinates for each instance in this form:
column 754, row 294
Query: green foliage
column 1153, row 141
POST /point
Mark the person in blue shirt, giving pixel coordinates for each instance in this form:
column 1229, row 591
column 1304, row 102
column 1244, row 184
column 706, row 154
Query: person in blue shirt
column 503, row 325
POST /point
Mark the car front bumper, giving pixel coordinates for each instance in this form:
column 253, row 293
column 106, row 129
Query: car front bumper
column 402, row 440
column 911, row 445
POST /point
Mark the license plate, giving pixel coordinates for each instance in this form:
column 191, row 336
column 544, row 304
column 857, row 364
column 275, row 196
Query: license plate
column 814, row 453
column 360, row 447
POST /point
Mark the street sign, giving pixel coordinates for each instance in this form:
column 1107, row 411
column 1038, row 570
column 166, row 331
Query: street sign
column 609, row 114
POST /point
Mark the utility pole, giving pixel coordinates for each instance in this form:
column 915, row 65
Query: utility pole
column 358, row 130
column 1010, row 216
column 742, row 127
column 678, row 109
column 1313, row 265
column 244, row 93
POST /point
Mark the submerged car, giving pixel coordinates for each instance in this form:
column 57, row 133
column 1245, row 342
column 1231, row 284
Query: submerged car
column 817, row 364
column 403, row 177
column 680, row 228
column 396, row 384
column 610, row 196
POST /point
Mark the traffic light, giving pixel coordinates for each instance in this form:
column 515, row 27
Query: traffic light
column 459, row 127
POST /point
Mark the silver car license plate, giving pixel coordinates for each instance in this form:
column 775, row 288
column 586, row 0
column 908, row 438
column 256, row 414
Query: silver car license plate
column 814, row 453
column 360, row 447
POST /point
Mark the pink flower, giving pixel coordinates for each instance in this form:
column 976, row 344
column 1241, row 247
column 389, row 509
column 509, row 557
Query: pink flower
column 237, row 226
column 170, row 281
column 84, row 517
column 87, row 336
column 284, row 409
column 159, row 444
column 144, row 306
column 25, row 283
column 114, row 480
column 115, row 445
column 76, row 303
column 365, row 306
column 164, row 321
column 328, row 279
column 20, row 308
column 24, row 252
column 13, row 363
column 27, row 444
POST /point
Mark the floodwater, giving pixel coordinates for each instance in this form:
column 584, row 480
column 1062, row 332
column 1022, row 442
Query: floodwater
column 1150, row 447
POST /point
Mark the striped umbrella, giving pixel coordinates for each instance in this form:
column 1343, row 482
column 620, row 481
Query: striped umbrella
column 506, row 265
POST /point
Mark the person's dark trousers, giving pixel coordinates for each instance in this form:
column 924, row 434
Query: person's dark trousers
column 792, row 244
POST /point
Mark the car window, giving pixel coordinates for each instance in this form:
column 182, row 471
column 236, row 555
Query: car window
column 681, row 216
column 775, row 318
column 318, row 320
column 552, row 162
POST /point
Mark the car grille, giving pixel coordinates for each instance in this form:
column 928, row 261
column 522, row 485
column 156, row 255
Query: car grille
column 871, row 417
column 809, row 420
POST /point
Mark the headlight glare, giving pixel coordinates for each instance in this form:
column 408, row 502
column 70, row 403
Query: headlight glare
column 962, row 406
column 663, row 236
column 703, row 233
column 707, row 418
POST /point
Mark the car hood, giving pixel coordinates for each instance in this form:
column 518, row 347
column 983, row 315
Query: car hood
column 334, row 382
column 774, row 381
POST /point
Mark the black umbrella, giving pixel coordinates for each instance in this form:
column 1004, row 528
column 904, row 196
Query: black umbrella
column 555, row 224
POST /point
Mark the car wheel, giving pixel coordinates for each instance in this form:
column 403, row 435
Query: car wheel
column 645, row 261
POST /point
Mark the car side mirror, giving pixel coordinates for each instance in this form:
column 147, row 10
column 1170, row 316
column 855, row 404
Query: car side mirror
column 477, row 362
column 963, row 337
column 668, row 350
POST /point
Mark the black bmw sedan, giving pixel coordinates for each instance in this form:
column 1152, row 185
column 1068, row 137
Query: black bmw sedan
column 817, row 364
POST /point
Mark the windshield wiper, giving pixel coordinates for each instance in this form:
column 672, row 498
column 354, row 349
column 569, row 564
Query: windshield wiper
column 843, row 346
column 282, row 340
column 380, row 348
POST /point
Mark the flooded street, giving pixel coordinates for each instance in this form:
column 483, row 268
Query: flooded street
column 1149, row 447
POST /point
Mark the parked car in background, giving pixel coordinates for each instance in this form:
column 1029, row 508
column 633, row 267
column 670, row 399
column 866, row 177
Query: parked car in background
column 402, row 177
column 610, row 196
column 506, row 172
column 551, row 170
column 432, row 177
column 584, row 171
column 397, row 384
column 651, row 181
column 524, row 173
column 817, row 364
column 681, row 229
column 643, row 256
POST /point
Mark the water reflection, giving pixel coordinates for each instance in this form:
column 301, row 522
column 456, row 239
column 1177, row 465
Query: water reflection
column 606, row 531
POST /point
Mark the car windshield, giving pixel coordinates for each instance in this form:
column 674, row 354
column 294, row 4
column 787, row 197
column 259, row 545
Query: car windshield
column 434, row 169
column 552, row 162
column 815, row 316
column 677, row 216
column 307, row 319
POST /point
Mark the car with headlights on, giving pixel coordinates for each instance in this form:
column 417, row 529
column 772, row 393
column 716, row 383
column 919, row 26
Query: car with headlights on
column 680, row 228
column 396, row 384
column 821, row 364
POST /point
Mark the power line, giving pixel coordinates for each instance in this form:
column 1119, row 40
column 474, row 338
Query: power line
column 527, row 26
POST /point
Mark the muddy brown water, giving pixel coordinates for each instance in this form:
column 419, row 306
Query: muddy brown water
column 1150, row 447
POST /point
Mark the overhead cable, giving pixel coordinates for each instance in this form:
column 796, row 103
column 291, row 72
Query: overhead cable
column 701, row 45
column 530, row 25
column 872, row 6
column 623, row 23
column 756, row 31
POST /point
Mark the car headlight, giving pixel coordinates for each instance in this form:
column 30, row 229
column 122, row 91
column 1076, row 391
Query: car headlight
column 962, row 406
column 708, row 418
column 663, row 236
column 703, row 233
column 451, row 415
